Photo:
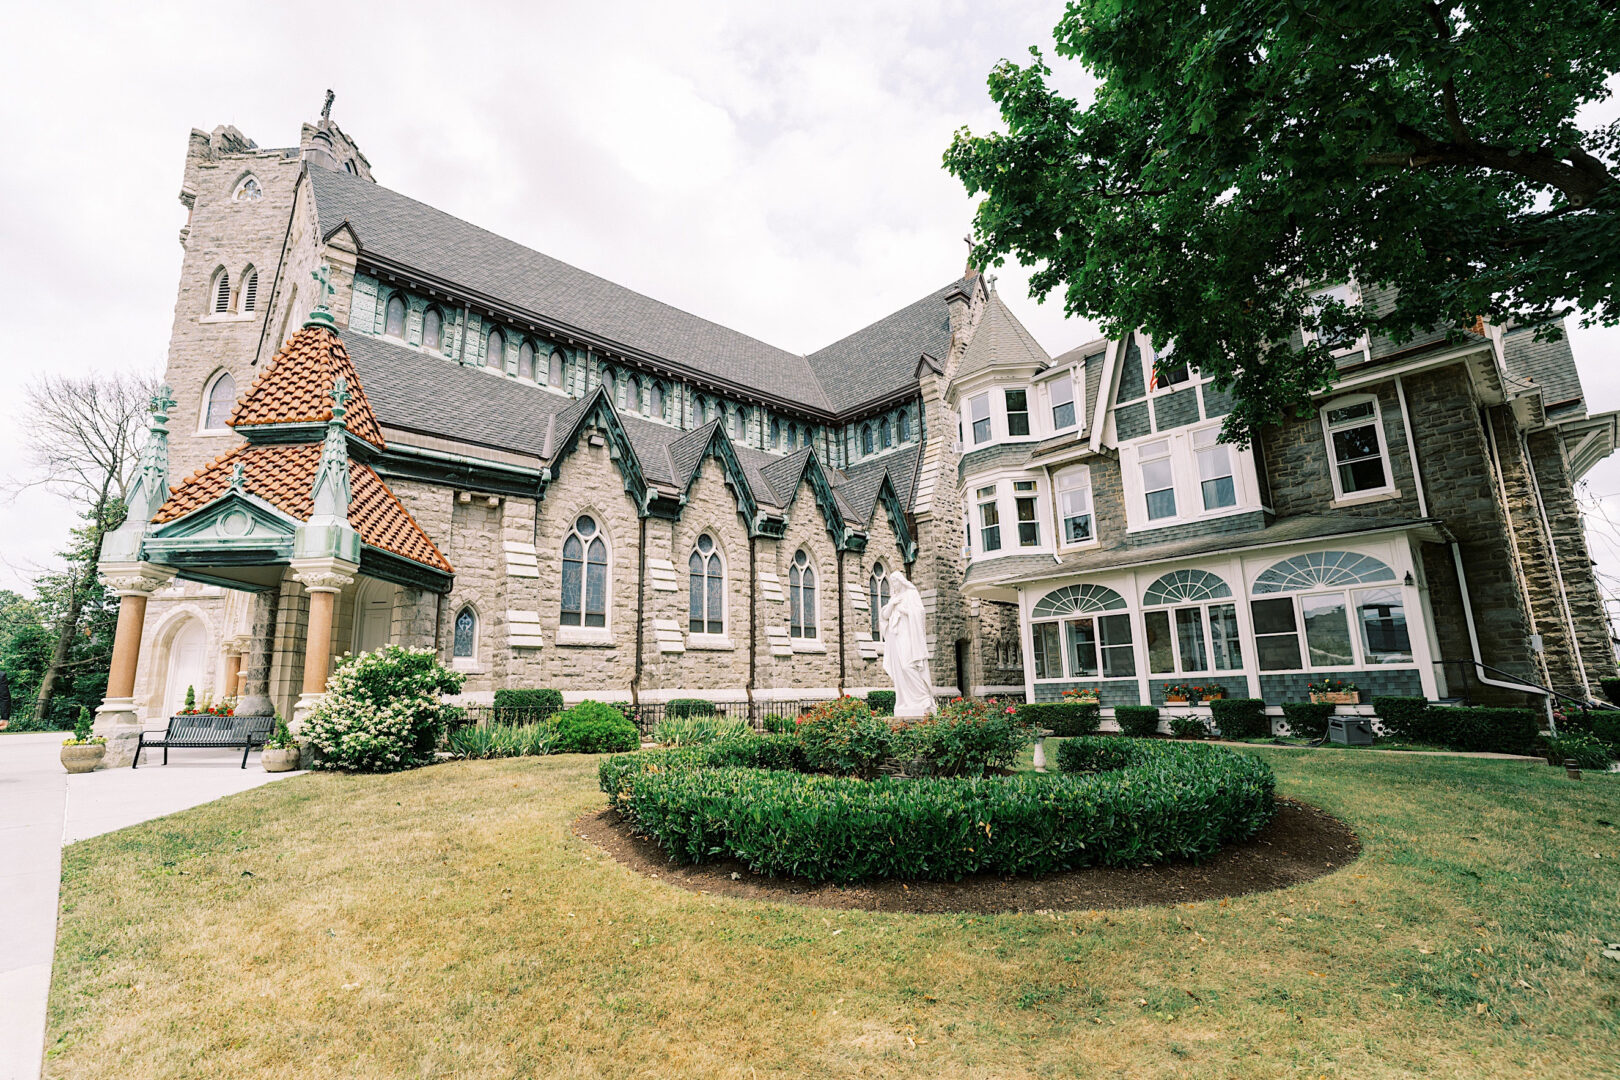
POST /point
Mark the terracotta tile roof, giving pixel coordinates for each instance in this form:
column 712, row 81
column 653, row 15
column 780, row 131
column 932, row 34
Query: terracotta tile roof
column 282, row 474
column 297, row 387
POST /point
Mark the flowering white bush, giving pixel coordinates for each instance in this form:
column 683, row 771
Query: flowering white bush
column 382, row 711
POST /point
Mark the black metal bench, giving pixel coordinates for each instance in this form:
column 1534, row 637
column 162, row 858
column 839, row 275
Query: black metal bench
column 200, row 730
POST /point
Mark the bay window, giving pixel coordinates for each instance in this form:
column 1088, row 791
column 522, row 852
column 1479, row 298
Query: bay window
column 979, row 413
column 1017, row 411
column 989, row 520
column 1024, row 502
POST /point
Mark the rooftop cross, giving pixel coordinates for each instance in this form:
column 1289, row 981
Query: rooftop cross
column 162, row 402
column 326, row 109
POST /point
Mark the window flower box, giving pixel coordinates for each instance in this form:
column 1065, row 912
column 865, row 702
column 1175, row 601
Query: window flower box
column 1181, row 694
column 1082, row 697
column 1335, row 692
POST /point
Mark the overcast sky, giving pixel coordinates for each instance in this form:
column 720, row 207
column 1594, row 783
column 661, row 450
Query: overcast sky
column 772, row 167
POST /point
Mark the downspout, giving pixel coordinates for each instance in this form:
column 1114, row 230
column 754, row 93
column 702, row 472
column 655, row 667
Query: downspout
column 438, row 622
column 641, row 608
column 1473, row 641
column 753, row 620
column 1558, row 572
column 840, row 622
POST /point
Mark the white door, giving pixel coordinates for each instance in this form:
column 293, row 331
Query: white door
column 374, row 617
column 187, row 666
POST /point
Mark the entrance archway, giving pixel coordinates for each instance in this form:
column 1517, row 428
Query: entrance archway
column 373, row 616
column 188, row 665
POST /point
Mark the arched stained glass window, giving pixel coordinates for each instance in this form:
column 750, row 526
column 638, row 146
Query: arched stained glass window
column 248, row 190
column 1077, row 599
column 554, row 368
column 776, row 432
column 466, row 642
column 804, row 614
column 495, row 350
column 866, row 439
column 707, row 581
column 221, row 399
column 1185, row 586
column 433, row 330
column 905, row 427
column 394, row 318
column 526, row 360
column 877, row 594
column 632, row 394
column 655, row 401
column 584, row 575
column 1322, row 568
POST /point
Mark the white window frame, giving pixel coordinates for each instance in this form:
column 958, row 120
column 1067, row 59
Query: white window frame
column 1352, row 296
column 1066, row 671
column 1358, row 645
column 1027, row 491
column 208, row 394
column 1076, row 399
column 974, row 419
column 1081, row 475
column 1008, row 412
column 1150, row 359
column 993, row 500
column 1185, row 477
column 1143, row 460
column 1340, row 496
column 1211, row 446
column 1206, row 628
column 705, row 637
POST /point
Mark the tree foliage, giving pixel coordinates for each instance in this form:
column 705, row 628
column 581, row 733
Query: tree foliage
column 1241, row 154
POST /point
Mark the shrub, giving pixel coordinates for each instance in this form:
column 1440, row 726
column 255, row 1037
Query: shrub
column 1611, row 689
column 281, row 738
column 881, row 702
column 1065, row 719
column 688, row 706
column 965, row 738
column 1138, row 720
column 1403, row 717
column 1167, row 800
column 616, row 774
column 1240, row 718
column 1584, row 750
column 1502, row 731
column 542, row 702
column 594, row 728
column 1307, row 719
column 1189, row 726
column 777, row 724
column 1606, row 727
column 843, row 737
column 504, row 740
column 699, row 730
column 1094, row 754
column 382, row 711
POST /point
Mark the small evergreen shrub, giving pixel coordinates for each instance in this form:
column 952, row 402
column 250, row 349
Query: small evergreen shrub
column 698, row 730
column 1307, row 719
column 1137, row 720
column 1584, row 750
column 881, row 702
column 843, row 737
column 965, row 738
column 1065, row 719
column 281, row 738
column 1611, row 689
column 1240, row 718
column 594, row 728
column 541, row 701
column 1606, row 728
column 1493, row 730
column 688, row 706
column 618, row 773
column 1403, row 717
column 1095, row 753
column 503, row 740
column 777, row 724
column 191, row 699
column 382, row 712
column 1189, row 726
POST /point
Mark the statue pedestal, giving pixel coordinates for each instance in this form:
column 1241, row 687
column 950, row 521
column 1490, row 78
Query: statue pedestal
column 118, row 721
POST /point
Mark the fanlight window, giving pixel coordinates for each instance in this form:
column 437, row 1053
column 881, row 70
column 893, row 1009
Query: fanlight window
column 804, row 618
column 1185, row 586
column 707, row 610
column 466, row 641
column 1077, row 599
column 1322, row 568
column 221, row 398
column 394, row 318
column 584, row 575
column 877, row 594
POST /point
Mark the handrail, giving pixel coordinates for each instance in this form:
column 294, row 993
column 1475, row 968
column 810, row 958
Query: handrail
column 1528, row 685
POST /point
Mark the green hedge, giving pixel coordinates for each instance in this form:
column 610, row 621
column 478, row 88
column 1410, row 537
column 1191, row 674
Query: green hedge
column 1606, row 726
column 594, row 728
column 1402, row 717
column 1165, row 800
column 1478, row 729
column 1138, row 720
column 1307, row 719
column 1611, row 689
column 549, row 700
column 1240, row 718
column 688, row 706
column 1063, row 718
column 1189, row 726
column 881, row 702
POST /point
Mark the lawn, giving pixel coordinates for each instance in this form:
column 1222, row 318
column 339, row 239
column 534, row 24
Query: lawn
column 447, row 923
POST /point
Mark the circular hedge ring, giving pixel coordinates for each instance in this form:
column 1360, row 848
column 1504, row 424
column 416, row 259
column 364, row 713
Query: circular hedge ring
column 1117, row 802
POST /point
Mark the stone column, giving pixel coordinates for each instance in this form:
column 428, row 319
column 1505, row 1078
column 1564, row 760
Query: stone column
column 323, row 579
column 235, row 648
column 117, row 718
column 253, row 681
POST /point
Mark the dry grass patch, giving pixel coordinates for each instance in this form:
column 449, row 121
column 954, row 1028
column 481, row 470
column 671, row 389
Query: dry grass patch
column 446, row 923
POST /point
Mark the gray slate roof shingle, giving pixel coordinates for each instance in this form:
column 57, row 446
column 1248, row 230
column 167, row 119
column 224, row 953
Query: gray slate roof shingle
column 1548, row 364
column 1000, row 339
column 881, row 359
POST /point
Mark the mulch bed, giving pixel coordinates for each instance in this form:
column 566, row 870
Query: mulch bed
column 1301, row 843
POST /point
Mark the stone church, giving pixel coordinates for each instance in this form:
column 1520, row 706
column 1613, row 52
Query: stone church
column 388, row 425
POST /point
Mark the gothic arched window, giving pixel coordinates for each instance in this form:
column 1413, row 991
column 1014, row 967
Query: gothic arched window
column 866, row 439
column 526, row 360
column 776, row 432
column 804, row 614
column 905, row 427
column 632, row 394
column 554, row 368
column 466, row 639
column 250, row 289
column 707, row 580
column 739, row 425
column 221, row 291
column 584, row 575
column 877, row 594
column 655, row 400
column 248, row 190
column 221, row 398
column 495, row 350
column 394, row 318
column 433, row 330
column 884, row 439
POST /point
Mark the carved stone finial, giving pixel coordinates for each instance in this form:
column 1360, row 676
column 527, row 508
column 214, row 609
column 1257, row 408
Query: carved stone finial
column 238, row 478
column 162, row 402
column 326, row 109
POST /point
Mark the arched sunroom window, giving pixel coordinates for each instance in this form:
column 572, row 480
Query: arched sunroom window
column 1191, row 624
column 466, row 634
column 1350, row 607
column 394, row 318
column 1082, row 632
column 250, row 290
column 220, row 290
column 526, row 360
column 584, row 575
column 495, row 350
column 877, row 594
column 433, row 330
column 804, row 612
column 706, row 577
column 218, row 401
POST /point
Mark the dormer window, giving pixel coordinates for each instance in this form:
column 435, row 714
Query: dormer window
column 1017, row 412
column 979, row 413
column 1168, row 371
column 883, row 433
column 1343, row 295
column 1060, row 391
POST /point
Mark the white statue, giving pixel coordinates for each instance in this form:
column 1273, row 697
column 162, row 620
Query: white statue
column 905, row 650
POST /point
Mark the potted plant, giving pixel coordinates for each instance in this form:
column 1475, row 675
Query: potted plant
column 281, row 750
column 1336, row 692
column 84, row 751
column 1083, row 696
column 1208, row 693
column 1177, row 694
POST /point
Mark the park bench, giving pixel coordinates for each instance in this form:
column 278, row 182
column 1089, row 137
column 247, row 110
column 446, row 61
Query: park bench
column 199, row 730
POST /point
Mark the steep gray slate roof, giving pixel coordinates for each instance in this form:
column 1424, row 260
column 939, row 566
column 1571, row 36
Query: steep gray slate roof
column 1000, row 339
column 391, row 226
column 861, row 483
column 881, row 359
column 783, row 474
column 1548, row 364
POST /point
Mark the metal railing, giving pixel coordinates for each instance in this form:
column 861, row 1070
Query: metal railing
column 1471, row 679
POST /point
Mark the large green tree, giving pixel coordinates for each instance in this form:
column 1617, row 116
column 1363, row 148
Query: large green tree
column 1239, row 155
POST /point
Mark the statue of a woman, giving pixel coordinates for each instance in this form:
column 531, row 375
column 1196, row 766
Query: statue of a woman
column 905, row 649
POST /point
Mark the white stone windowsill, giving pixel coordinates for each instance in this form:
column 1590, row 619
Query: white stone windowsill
column 1361, row 498
column 814, row 645
column 229, row 317
column 709, row 642
column 468, row 666
column 586, row 636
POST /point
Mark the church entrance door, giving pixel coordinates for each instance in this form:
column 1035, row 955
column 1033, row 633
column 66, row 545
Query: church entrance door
column 187, row 665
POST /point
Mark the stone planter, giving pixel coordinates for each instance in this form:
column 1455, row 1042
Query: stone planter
column 279, row 760
column 1338, row 697
column 83, row 757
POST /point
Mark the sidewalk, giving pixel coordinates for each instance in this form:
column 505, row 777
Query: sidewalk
column 42, row 809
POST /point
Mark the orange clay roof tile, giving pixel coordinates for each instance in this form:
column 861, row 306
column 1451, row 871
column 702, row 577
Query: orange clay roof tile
column 282, row 475
column 297, row 387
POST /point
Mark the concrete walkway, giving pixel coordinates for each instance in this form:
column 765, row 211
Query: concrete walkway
column 42, row 809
